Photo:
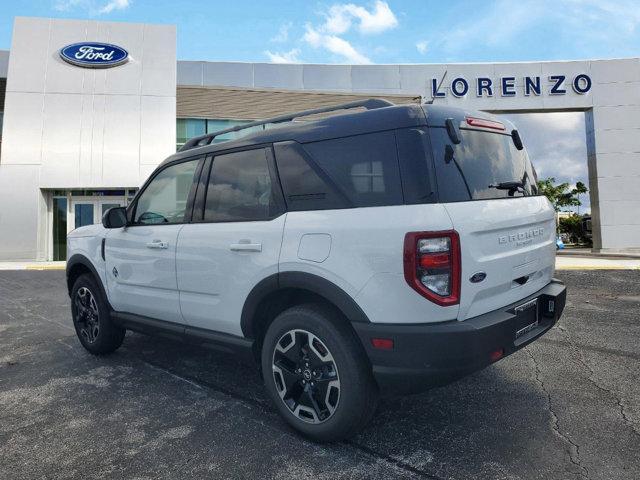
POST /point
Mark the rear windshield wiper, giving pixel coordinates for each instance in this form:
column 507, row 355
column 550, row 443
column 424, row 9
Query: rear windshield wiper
column 512, row 187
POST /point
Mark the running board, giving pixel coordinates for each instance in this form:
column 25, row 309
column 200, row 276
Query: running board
column 224, row 342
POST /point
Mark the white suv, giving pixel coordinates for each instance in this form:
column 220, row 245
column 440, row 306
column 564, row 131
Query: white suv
column 391, row 249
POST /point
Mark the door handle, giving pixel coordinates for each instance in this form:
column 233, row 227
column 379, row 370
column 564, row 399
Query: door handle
column 157, row 244
column 245, row 247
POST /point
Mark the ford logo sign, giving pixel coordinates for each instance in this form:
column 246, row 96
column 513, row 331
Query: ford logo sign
column 94, row 55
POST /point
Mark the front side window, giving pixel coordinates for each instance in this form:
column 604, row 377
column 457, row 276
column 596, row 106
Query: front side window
column 240, row 188
column 165, row 198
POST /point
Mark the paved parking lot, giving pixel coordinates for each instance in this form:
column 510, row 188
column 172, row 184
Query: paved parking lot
column 567, row 406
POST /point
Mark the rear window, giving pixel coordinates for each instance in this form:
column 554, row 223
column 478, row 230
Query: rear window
column 482, row 161
column 363, row 167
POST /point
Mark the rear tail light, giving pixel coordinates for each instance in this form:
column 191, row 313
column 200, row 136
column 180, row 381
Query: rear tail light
column 432, row 265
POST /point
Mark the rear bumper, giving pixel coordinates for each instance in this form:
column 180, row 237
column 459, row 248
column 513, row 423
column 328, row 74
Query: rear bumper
column 429, row 355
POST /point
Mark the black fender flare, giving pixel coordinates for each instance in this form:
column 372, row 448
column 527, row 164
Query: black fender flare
column 301, row 281
column 79, row 259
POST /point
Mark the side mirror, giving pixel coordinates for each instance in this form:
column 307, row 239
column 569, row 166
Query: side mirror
column 115, row 217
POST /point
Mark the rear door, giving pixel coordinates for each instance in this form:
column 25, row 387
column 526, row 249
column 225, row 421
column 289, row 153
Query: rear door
column 507, row 231
column 234, row 240
column 140, row 258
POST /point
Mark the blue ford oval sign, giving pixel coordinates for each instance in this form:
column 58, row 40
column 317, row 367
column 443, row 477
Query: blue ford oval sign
column 94, row 55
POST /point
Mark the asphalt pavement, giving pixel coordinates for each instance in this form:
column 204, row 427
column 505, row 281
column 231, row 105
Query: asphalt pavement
column 567, row 406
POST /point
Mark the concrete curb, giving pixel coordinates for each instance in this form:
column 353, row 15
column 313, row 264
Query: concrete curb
column 598, row 267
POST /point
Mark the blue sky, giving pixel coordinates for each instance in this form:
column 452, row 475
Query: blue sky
column 370, row 31
column 392, row 31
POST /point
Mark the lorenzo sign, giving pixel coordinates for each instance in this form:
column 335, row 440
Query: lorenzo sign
column 94, row 55
column 506, row 86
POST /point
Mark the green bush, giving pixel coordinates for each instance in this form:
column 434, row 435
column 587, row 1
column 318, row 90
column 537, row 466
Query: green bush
column 572, row 226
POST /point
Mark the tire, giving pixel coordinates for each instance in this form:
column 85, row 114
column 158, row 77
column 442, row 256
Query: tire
column 335, row 377
column 92, row 319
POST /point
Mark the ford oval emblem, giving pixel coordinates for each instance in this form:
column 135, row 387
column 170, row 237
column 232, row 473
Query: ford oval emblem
column 478, row 277
column 94, row 55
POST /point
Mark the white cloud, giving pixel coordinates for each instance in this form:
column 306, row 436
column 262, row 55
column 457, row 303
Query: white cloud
column 422, row 46
column 557, row 121
column 283, row 33
column 328, row 34
column 556, row 143
column 91, row 7
column 114, row 5
column 340, row 17
column 292, row 56
column 334, row 44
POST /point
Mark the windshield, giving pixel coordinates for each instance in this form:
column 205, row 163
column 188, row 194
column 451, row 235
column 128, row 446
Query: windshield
column 484, row 165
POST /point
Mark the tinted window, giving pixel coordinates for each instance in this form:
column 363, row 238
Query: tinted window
column 240, row 188
column 164, row 200
column 416, row 166
column 303, row 185
column 363, row 167
column 465, row 171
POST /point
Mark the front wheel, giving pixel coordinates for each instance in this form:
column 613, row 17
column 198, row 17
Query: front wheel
column 316, row 373
column 92, row 319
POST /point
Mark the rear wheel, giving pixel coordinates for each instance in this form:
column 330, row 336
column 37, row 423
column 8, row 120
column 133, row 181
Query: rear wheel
column 316, row 373
column 92, row 319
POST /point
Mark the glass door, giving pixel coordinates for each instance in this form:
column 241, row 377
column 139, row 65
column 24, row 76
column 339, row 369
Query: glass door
column 84, row 213
column 70, row 210
column 59, row 228
column 89, row 211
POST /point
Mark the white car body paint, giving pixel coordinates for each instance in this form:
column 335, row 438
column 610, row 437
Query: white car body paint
column 200, row 281
column 145, row 283
column 218, row 264
column 366, row 257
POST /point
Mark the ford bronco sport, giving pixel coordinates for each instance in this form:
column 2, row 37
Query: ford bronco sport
column 384, row 250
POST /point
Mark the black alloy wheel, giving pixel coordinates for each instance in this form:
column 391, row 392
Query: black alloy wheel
column 92, row 317
column 87, row 316
column 306, row 376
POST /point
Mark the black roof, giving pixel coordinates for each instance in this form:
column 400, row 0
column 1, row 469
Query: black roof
column 379, row 118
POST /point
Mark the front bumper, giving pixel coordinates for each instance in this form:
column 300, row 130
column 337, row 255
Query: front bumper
column 429, row 355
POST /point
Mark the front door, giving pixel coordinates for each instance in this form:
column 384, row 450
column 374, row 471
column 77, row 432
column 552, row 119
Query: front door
column 232, row 243
column 140, row 258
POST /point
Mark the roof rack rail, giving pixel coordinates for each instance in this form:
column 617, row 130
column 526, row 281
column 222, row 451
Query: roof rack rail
column 369, row 104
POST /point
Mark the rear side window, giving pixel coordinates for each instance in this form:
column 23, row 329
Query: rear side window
column 363, row 167
column 240, row 188
column 304, row 185
column 474, row 168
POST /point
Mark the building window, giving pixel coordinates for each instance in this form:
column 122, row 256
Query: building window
column 187, row 128
column 59, row 228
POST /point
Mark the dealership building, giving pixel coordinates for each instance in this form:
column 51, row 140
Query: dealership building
column 88, row 109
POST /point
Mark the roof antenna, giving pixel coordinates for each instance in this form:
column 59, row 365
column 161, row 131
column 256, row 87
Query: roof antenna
column 430, row 102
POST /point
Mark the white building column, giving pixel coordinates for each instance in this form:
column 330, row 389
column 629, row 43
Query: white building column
column 613, row 149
